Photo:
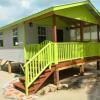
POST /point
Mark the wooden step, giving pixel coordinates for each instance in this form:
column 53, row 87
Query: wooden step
column 22, row 79
column 42, row 76
column 46, row 71
column 37, row 84
column 20, row 86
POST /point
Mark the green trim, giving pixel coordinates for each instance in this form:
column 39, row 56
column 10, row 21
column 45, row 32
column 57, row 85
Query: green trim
column 54, row 9
column 69, row 5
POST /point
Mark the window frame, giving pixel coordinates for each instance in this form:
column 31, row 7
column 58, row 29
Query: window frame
column 2, row 40
column 42, row 33
column 13, row 36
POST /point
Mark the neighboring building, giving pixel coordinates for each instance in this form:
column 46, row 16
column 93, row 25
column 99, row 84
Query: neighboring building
column 38, row 27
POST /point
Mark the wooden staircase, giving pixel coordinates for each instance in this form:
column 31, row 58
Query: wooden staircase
column 37, row 84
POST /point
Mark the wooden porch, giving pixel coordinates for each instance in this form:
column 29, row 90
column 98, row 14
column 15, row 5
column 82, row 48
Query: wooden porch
column 53, row 57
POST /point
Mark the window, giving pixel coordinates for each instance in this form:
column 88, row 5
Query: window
column 93, row 33
column 90, row 33
column 75, row 34
column 41, row 34
column 87, row 34
column 1, row 39
column 15, row 37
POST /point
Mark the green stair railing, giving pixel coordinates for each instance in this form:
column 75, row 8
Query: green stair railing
column 37, row 64
column 55, row 53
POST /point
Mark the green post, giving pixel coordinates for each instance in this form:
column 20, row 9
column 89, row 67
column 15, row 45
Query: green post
column 56, row 53
column 26, row 80
column 50, row 56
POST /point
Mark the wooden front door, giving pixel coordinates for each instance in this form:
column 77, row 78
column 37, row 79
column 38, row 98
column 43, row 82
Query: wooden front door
column 59, row 35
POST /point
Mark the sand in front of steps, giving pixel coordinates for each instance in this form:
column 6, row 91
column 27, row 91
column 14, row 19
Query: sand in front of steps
column 66, row 95
column 85, row 87
column 5, row 77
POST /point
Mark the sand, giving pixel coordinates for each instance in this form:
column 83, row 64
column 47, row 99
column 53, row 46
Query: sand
column 65, row 95
column 5, row 77
column 85, row 87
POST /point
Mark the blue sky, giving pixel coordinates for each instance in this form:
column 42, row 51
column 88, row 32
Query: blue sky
column 12, row 10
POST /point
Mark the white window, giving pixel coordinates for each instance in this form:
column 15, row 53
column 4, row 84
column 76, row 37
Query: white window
column 41, row 34
column 15, row 37
column 1, row 39
column 75, row 34
column 87, row 33
column 94, row 33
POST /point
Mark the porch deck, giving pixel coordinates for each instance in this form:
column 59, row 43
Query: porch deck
column 56, row 56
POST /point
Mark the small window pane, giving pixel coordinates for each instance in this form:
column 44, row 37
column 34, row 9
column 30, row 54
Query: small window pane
column 41, row 38
column 75, row 34
column 1, row 39
column 1, row 43
column 87, row 34
column 15, row 37
column 41, row 34
column 93, row 33
column 15, row 41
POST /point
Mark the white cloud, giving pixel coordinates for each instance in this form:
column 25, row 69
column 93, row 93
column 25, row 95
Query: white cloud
column 26, row 4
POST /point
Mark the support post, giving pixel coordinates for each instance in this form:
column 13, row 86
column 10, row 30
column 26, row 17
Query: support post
column 98, row 65
column 56, row 73
column 81, row 70
column 55, row 39
column 98, row 27
column 81, row 31
column 56, row 76
column 0, row 64
column 9, row 67
column 98, row 62
column 54, row 29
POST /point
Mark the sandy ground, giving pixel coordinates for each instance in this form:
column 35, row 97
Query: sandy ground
column 65, row 95
column 5, row 77
column 85, row 87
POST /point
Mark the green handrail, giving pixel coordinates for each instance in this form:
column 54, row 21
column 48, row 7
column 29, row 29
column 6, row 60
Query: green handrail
column 37, row 64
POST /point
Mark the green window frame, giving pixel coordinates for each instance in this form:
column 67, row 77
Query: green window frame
column 15, row 37
column 41, row 34
column 1, row 39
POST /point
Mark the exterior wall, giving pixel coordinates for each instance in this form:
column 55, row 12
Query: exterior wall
column 16, row 55
column 32, row 33
column 10, row 52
